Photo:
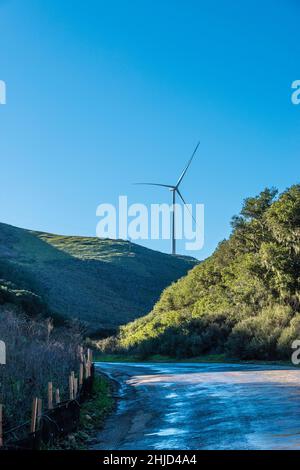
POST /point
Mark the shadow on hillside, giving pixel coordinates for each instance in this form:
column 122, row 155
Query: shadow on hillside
column 101, row 293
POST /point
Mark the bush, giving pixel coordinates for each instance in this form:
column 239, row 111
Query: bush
column 288, row 335
column 258, row 337
column 193, row 337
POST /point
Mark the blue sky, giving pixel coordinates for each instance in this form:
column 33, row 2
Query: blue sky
column 102, row 94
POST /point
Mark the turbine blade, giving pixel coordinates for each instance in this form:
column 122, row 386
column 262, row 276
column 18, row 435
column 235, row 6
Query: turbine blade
column 188, row 209
column 188, row 164
column 157, row 184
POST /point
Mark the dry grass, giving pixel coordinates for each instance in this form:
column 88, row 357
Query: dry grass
column 36, row 354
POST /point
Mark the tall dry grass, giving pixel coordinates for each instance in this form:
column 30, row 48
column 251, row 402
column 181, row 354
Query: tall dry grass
column 36, row 354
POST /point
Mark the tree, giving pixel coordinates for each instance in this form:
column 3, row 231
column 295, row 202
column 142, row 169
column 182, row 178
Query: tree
column 255, row 207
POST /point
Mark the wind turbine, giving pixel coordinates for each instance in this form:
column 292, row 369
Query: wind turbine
column 174, row 190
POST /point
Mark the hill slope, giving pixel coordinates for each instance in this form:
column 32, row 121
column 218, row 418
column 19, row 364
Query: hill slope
column 243, row 300
column 102, row 282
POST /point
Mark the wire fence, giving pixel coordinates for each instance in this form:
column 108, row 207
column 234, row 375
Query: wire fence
column 58, row 420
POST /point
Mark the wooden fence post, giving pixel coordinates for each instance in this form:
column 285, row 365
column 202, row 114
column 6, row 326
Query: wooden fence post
column 50, row 396
column 87, row 370
column 71, row 387
column 80, row 350
column 39, row 412
column 57, row 396
column 88, row 363
column 33, row 415
column 80, row 374
column 75, row 383
column 89, row 355
column 1, row 425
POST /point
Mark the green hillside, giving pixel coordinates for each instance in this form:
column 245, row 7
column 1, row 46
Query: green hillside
column 244, row 300
column 104, row 283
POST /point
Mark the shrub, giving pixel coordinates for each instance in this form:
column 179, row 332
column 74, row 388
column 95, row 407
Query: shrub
column 288, row 335
column 258, row 337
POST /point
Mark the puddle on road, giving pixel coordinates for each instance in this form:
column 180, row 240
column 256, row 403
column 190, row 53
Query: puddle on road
column 172, row 395
column 168, row 432
column 175, row 417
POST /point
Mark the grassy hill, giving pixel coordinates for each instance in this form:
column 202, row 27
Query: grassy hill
column 104, row 283
column 244, row 300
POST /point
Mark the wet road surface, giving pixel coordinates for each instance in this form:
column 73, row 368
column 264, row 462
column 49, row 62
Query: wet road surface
column 203, row 406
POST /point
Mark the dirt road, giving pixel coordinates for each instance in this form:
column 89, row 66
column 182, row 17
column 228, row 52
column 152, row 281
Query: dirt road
column 203, row 406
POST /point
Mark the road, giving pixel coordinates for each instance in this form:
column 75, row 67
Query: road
column 203, row 406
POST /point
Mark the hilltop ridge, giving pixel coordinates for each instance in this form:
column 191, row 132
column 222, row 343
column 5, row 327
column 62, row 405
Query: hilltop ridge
column 102, row 282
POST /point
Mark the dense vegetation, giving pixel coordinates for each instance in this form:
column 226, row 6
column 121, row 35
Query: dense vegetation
column 244, row 300
column 37, row 353
column 104, row 283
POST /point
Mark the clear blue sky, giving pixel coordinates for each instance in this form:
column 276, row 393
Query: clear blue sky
column 101, row 94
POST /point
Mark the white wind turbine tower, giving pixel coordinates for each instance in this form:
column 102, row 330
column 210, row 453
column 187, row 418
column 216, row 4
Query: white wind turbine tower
column 174, row 190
